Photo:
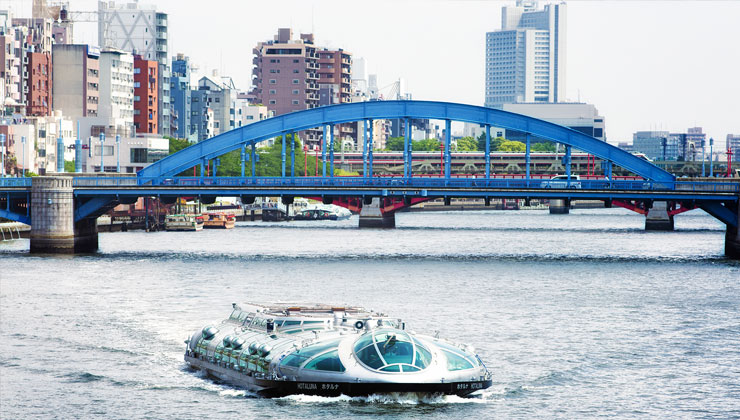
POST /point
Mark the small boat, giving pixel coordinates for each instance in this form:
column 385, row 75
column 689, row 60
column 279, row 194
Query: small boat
column 315, row 214
column 278, row 350
column 184, row 222
column 219, row 221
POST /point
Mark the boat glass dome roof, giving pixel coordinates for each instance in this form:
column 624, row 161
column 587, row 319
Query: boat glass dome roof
column 391, row 350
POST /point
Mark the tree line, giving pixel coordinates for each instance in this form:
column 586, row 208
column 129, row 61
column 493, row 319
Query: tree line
column 269, row 161
column 469, row 144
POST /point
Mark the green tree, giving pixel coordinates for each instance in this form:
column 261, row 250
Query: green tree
column 512, row 146
column 426, row 145
column 467, row 144
column 545, row 146
column 177, row 144
column 394, row 144
column 69, row 166
column 495, row 142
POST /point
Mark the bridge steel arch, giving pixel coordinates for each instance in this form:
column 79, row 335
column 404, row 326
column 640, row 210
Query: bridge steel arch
column 363, row 111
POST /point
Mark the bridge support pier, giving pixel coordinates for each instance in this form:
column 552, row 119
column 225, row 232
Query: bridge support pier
column 732, row 238
column 371, row 216
column 52, row 211
column 559, row 206
column 658, row 217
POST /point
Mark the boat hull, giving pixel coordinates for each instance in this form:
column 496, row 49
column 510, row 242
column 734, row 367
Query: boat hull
column 279, row 388
column 184, row 228
column 218, row 225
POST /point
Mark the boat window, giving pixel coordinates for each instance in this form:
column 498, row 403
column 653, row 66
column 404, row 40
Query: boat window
column 456, row 358
column 294, row 360
column 455, row 361
column 392, row 368
column 313, row 329
column 312, row 322
column 370, row 357
column 290, row 323
column 235, row 314
column 327, row 361
column 384, row 348
column 395, row 348
column 423, row 357
column 301, row 355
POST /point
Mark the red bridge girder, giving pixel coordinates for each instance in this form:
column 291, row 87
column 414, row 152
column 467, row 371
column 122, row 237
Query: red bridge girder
column 388, row 205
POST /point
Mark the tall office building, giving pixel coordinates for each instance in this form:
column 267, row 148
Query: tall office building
column 525, row 60
column 142, row 30
column 180, row 91
column 146, row 105
column 117, row 87
column 286, row 73
column 76, row 79
column 212, row 105
column 286, row 76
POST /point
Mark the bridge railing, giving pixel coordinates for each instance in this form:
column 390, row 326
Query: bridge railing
column 472, row 182
column 720, row 185
column 15, row 182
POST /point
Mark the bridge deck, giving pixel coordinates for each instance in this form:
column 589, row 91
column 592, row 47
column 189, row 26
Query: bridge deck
column 725, row 190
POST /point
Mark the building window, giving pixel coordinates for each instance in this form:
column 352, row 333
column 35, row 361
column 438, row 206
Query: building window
column 273, row 81
column 273, row 91
column 272, row 102
column 295, row 81
column 295, row 91
column 295, row 102
column 138, row 155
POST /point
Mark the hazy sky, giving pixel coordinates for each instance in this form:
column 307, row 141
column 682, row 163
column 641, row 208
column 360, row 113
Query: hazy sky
column 644, row 64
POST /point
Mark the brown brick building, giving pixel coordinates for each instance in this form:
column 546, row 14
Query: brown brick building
column 39, row 86
column 145, row 95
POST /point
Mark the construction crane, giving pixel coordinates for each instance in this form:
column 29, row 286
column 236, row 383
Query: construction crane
column 396, row 91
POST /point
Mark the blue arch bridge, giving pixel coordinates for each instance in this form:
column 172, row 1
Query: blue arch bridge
column 62, row 209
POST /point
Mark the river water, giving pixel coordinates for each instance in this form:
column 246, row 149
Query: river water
column 577, row 316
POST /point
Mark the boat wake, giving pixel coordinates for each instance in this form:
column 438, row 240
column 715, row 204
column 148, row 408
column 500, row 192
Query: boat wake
column 395, row 398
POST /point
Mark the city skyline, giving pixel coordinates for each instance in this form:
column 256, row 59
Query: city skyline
column 668, row 71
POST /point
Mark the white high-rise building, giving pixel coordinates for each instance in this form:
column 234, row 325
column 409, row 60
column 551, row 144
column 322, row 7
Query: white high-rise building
column 117, row 83
column 142, row 30
column 525, row 60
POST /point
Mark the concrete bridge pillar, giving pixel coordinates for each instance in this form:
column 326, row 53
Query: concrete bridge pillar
column 559, row 206
column 658, row 217
column 732, row 238
column 371, row 216
column 53, row 229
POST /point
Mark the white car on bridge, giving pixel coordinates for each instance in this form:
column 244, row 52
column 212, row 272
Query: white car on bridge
column 561, row 181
